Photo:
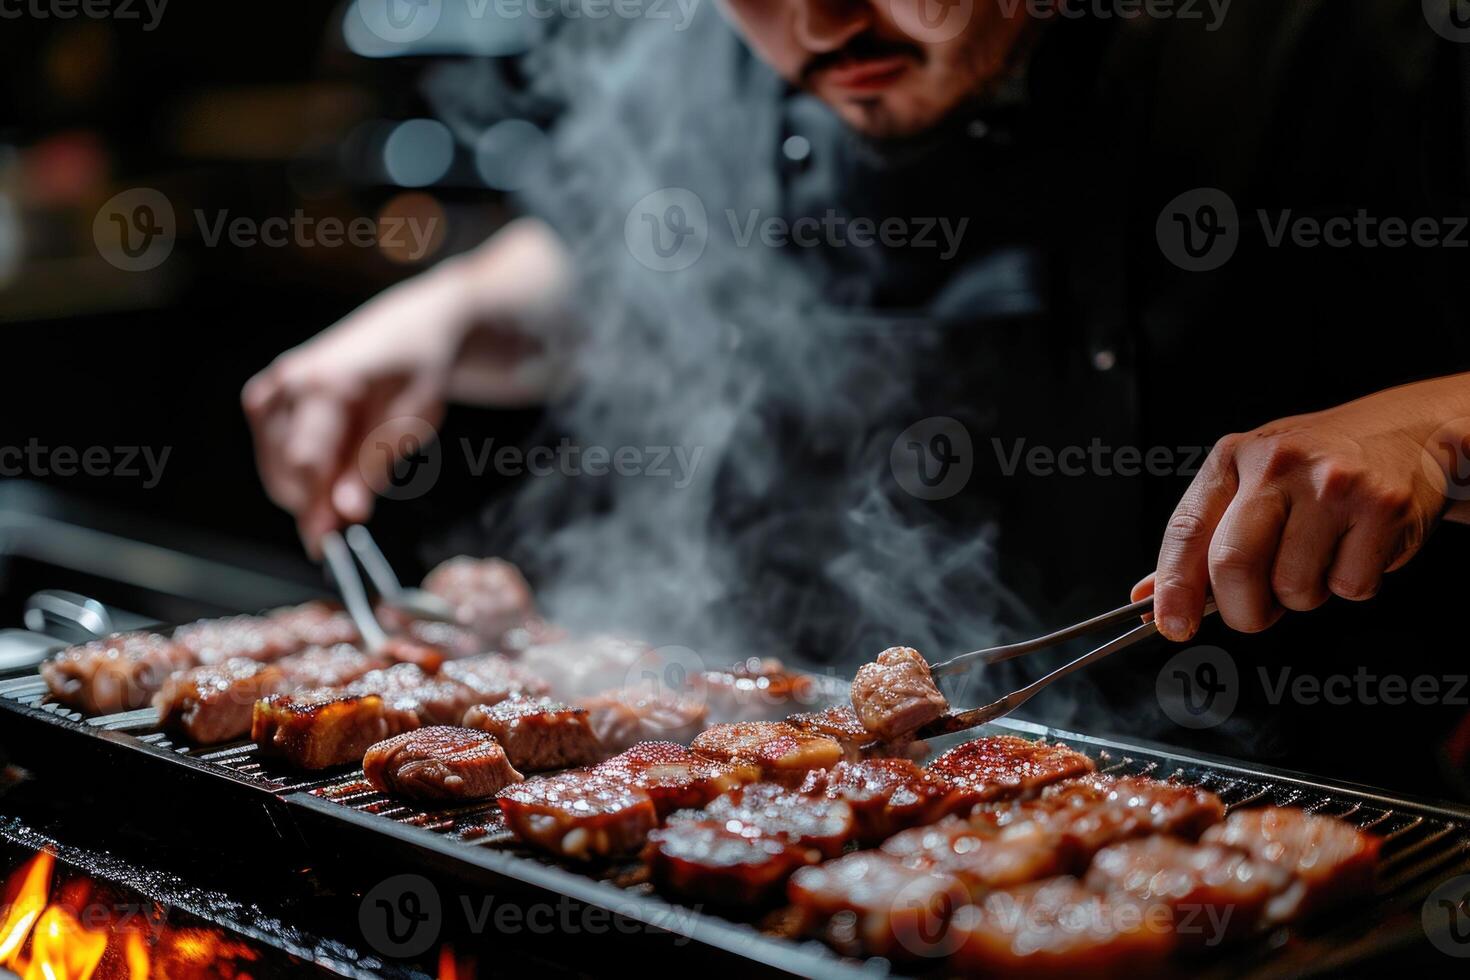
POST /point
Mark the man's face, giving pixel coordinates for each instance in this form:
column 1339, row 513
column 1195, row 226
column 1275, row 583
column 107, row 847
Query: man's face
column 889, row 68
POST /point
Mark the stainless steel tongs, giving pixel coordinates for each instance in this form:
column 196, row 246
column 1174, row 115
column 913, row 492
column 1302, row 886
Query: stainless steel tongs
column 958, row 721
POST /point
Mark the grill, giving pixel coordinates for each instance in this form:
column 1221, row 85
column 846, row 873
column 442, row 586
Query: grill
column 340, row 819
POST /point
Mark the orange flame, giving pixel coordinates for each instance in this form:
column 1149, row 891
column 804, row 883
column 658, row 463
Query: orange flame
column 26, row 907
column 62, row 950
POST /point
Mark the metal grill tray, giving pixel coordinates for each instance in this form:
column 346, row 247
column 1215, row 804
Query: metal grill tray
column 339, row 819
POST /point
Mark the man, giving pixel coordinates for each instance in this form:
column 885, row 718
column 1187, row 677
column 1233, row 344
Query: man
column 1094, row 245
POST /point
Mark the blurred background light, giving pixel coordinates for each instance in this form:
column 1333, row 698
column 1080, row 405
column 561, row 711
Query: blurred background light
column 418, row 152
column 414, row 28
column 509, row 153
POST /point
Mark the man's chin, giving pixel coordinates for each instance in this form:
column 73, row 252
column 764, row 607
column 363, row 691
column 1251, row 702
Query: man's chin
column 883, row 117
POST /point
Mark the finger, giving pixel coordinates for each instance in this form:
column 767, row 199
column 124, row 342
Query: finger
column 282, row 483
column 314, row 522
column 261, row 393
column 352, row 498
column 313, row 447
column 1181, row 582
column 1308, row 546
column 1242, row 554
column 1142, row 590
column 1365, row 552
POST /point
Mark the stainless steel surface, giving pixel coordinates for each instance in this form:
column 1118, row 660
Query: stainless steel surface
column 354, row 596
column 51, row 608
column 415, row 602
column 995, row 655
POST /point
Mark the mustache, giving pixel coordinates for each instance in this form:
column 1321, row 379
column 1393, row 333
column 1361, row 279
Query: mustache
column 861, row 48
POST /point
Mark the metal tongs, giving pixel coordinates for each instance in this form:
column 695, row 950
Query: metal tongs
column 958, row 721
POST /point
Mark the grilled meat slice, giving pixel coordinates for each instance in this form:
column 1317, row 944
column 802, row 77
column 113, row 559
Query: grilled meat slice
column 324, row 728
column 439, row 763
column 494, row 678
column 331, row 666
column 254, row 637
column 840, row 722
column 407, row 650
column 674, row 777
column 488, row 595
column 1131, row 805
column 121, row 672
column 1003, row 767
column 583, row 814
column 1056, row 929
column 708, row 862
column 770, row 810
column 406, row 687
column 214, row 703
column 582, row 667
column 623, row 717
column 896, row 694
column 784, row 753
column 756, row 689
column 1331, row 861
column 886, row 795
column 538, row 733
column 317, row 624
column 1213, row 893
column 982, row 858
column 871, row 903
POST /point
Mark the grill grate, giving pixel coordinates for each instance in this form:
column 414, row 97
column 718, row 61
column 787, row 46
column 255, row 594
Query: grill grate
column 1422, row 843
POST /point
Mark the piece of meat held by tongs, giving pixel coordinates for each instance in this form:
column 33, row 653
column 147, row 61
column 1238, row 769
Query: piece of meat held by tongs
column 958, row 721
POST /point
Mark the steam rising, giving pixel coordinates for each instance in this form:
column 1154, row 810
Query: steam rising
column 733, row 355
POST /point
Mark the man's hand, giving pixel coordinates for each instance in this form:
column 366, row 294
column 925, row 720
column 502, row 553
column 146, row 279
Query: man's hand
column 387, row 370
column 1312, row 506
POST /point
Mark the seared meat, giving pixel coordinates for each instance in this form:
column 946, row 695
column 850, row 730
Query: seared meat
column 1331, row 861
column 494, row 678
column 317, row 624
column 982, row 858
column 407, row 650
column 327, row 666
column 324, row 728
column 1132, row 806
column 405, row 687
column 755, row 689
column 896, row 694
column 538, row 733
column 626, row 716
column 1213, row 893
column 886, row 795
column 255, row 637
column 892, row 910
column 674, row 777
column 439, row 763
column 771, row 810
column 1005, row 767
column 782, row 752
column 214, row 703
column 119, row 673
column 583, row 814
column 580, row 668
column 711, row 863
column 489, row 596
column 1058, row 929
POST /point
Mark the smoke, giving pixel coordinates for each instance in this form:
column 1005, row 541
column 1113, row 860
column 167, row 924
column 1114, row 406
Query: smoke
column 792, row 539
